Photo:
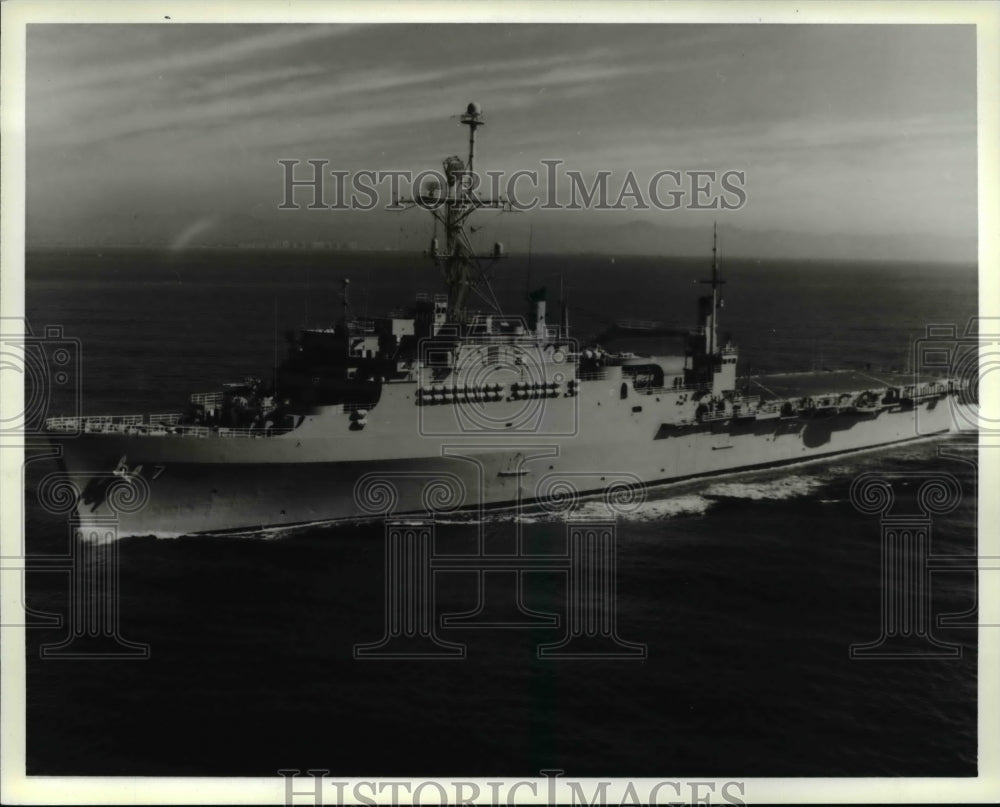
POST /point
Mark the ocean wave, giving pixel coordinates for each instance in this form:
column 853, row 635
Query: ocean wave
column 655, row 510
column 594, row 509
column 786, row 487
column 684, row 505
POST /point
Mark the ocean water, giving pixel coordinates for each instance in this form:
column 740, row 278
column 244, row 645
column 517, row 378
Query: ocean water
column 747, row 590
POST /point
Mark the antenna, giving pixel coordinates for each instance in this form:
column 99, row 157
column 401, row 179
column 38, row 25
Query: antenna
column 450, row 206
column 274, row 364
column 563, row 311
column 715, row 250
column 717, row 264
column 473, row 118
column 368, row 283
column 527, row 271
column 716, row 282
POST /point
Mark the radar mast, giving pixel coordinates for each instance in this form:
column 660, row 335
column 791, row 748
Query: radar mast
column 451, row 206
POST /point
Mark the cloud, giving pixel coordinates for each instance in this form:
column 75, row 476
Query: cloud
column 829, row 124
column 213, row 54
column 124, row 109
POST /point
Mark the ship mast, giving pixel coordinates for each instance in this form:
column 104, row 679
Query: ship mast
column 456, row 257
column 712, row 335
column 473, row 118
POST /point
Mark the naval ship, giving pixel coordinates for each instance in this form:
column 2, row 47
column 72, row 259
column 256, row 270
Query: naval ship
column 440, row 408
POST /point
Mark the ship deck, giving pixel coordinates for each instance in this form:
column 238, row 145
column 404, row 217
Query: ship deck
column 831, row 382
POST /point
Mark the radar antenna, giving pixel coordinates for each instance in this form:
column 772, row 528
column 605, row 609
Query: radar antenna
column 451, row 205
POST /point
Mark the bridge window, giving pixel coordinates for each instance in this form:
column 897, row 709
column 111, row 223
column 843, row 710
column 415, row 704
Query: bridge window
column 624, row 392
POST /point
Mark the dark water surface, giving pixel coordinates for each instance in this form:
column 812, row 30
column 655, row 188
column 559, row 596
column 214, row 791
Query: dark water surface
column 747, row 590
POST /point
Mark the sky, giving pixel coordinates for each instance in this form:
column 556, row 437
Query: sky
column 851, row 137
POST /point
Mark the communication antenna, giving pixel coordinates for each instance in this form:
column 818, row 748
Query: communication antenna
column 473, row 118
column 716, row 283
column 527, row 271
column 450, row 206
column 274, row 364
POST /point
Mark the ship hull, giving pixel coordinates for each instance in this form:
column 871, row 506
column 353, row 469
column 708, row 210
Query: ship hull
column 216, row 485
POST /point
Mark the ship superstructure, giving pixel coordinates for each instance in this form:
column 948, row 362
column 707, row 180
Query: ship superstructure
column 500, row 408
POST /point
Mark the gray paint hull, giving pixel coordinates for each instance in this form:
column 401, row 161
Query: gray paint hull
column 328, row 471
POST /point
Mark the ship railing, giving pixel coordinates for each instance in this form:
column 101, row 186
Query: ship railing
column 600, row 374
column 132, row 427
column 171, row 419
column 223, row 432
column 59, row 424
column 110, row 423
column 192, row 431
column 115, row 420
column 97, row 423
column 243, row 433
column 207, row 399
column 158, row 425
column 712, row 414
column 770, row 407
column 929, row 389
column 366, row 326
column 63, row 424
column 667, row 390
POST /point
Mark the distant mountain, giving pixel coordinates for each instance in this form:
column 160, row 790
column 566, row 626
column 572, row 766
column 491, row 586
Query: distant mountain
column 643, row 237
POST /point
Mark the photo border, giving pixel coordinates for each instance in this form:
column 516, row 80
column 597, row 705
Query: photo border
column 16, row 788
